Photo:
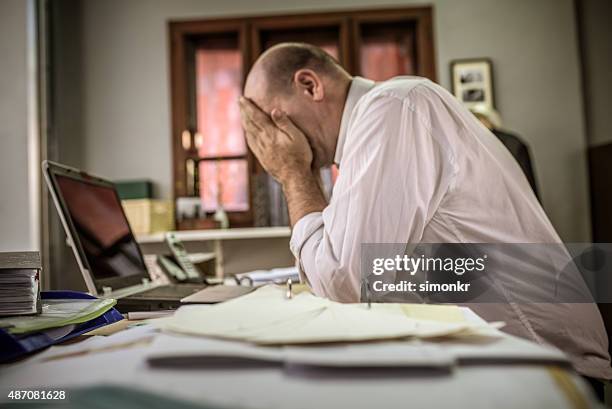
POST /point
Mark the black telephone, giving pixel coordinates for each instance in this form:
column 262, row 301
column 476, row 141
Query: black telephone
column 178, row 266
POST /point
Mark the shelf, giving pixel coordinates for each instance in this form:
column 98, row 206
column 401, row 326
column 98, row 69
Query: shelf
column 197, row 258
column 220, row 234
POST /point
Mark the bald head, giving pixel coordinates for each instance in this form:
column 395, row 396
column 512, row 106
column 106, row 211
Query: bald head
column 306, row 83
column 281, row 62
column 274, row 70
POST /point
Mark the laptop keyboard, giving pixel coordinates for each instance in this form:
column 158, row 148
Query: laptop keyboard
column 169, row 292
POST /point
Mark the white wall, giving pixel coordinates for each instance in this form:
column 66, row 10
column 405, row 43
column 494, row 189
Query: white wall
column 532, row 43
column 15, row 234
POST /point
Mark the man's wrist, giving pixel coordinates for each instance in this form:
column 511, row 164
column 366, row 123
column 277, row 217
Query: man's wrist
column 291, row 176
column 303, row 193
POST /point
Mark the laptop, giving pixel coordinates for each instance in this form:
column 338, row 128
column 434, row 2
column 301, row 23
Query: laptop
column 106, row 250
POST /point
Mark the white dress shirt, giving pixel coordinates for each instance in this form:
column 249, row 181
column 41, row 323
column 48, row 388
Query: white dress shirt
column 415, row 166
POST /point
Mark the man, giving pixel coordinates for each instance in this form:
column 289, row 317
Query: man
column 415, row 167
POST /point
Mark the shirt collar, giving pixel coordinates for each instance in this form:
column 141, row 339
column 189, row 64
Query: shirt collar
column 359, row 87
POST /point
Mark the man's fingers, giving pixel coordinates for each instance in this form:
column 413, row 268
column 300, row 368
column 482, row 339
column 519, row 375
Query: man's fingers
column 252, row 127
column 284, row 123
column 249, row 125
column 250, row 141
column 247, row 122
column 260, row 136
column 254, row 143
column 254, row 113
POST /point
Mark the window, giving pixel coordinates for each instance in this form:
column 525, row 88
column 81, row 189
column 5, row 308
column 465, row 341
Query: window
column 221, row 149
column 393, row 44
column 209, row 61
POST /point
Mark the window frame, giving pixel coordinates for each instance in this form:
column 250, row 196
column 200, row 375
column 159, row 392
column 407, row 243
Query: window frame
column 249, row 30
column 422, row 19
column 181, row 34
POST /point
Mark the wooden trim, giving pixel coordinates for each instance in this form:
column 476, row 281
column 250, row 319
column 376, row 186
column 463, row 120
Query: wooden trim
column 179, row 34
column 289, row 22
column 293, row 21
column 425, row 46
column 600, row 169
column 248, row 29
column 346, row 46
column 197, row 27
column 179, row 97
column 421, row 17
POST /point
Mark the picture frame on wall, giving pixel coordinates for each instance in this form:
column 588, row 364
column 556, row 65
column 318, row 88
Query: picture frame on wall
column 472, row 81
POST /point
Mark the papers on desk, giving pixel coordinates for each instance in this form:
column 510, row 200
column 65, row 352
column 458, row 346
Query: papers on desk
column 200, row 352
column 267, row 317
column 298, row 332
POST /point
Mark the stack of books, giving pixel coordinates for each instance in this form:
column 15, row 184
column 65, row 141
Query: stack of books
column 20, row 283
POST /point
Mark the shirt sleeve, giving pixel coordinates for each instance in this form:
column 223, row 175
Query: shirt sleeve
column 392, row 178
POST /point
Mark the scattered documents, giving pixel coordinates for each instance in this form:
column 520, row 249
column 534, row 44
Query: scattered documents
column 20, row 283
column 58, row 313
column 266, row 316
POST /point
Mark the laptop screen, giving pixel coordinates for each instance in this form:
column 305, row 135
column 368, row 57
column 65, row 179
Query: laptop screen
column 102, row 228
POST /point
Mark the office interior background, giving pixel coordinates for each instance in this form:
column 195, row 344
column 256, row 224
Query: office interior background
column 95, row 85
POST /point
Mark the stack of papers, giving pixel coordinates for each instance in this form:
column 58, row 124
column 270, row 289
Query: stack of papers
column 58, row 313
column 311, row 331
column 188, row 351
column 19, row 283
column 267, row 317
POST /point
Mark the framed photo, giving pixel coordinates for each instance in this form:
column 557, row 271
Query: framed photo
column 472, row 82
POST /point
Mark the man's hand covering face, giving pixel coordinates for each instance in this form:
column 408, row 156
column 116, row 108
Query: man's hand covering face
column 279, row 145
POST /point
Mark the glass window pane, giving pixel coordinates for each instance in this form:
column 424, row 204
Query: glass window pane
column 225, row 180
column 218, row 87
column 393, row 45
column 397, row 62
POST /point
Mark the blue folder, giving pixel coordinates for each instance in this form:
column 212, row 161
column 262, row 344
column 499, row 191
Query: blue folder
column 16, row 346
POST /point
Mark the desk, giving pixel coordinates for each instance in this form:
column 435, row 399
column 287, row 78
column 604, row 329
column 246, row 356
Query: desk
column 474, row 386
